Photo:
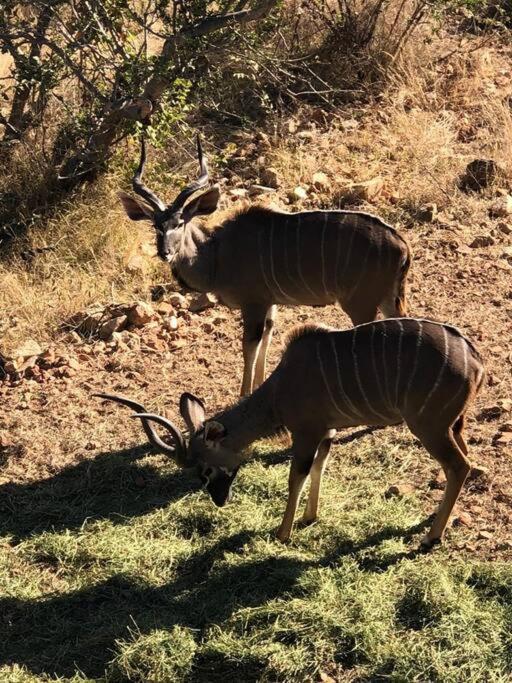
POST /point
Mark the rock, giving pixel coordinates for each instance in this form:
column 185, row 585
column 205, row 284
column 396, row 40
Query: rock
column 29, row 348
column 259, row 189
column 321, row 181
column 140, row 314
column 368, row 190
column 270, row 177
column 399, row 490
column 506, row 427
column 477, row 471
column 463, row 519
column 238, row 192
column 482, row 241
column 86, row 323
column 113, row 325
column 136, row 264
column 164, row 309
column 484, row 535
column 427, row 213
column 72, row 338
column 306, row 135
column 502, row 439
column 505, row 228
column 177, row 300
column 479, row 174
column 171, row 323
column 202, row 302
column 297, row 194
column 507, row 252
column 501, row 208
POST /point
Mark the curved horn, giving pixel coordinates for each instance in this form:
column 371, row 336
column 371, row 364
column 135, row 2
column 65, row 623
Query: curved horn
column 198, row 184
column 181, row 448
column 153, row 437
column 140, row 189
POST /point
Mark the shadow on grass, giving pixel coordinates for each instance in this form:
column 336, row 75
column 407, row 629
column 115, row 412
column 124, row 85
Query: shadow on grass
column 64, row 633
column 112, row 486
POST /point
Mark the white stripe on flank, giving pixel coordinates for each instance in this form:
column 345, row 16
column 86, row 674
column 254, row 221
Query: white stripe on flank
column 374, row 363
column 262, row 265
column 463, row 385
column 272, row 269
column 337, row 263
column 440, row 375
column 299, row 269
column 345, row 397
column 322, row 253
column 398, row 364
column 358, row 377
column 415, row 364
column 384, row 363
column 333, row 400
column 362, row 273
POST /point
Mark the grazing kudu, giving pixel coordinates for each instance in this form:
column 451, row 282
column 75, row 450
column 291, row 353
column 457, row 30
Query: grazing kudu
column 260, row 257
column 379, row 373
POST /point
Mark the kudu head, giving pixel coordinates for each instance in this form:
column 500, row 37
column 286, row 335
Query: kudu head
column 202, row 448
column 166, row 218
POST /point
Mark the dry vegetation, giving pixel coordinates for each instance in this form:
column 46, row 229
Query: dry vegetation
column 113, row 567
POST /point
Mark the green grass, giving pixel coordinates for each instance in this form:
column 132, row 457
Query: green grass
column 105, row 579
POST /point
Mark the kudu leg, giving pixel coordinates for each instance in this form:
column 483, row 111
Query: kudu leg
column 253, row 318
column 261, row 362
column 316, row 473
column 446, row 450
column 303, row 455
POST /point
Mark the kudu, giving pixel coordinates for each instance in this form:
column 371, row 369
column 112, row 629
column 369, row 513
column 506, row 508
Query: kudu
column 380, row 373
column 260, row 257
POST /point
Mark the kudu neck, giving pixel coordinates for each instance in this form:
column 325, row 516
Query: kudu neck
column 252, row 418
column 194, row 257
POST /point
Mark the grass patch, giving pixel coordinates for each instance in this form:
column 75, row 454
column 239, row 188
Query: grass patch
column 111, row 583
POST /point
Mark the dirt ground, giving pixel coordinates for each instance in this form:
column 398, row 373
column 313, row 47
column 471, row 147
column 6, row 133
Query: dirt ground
column 52, row 421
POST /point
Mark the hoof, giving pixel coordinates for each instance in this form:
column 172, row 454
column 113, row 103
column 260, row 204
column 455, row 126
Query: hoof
column 282, row 536
column 307, row 521
column 428, row 543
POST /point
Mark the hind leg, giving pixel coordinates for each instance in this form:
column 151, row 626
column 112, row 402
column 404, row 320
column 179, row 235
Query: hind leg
column 316, row 472
column 445, row 449
column 457, row 434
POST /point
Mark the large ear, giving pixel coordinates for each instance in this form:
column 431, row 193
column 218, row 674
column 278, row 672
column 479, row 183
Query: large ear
column 214, row 432
column 136, row 210
column 192, row 411
column 204, row 204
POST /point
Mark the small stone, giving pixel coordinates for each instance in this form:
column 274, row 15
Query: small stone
column 172, row 323
column 140, row 314
column 427, row 213
column 505, row 404
column 260, row 189
column 29, row 348
column 501, row 208
column 136, row 264
column 306, row 135
column 482, row 241
column 368, row 190
column 72, row 338
column 506, row 427
column 477, row 471
column 399, row 490
column 113, row 325
column 202, row 302
column 502, row 439
column 484, row 535
column 238, row 192
column 505, row 228
column 297, row 194
column 463, row 519
column 321, row 181
column 270, row 177
column 177, row 300
column 479, row 174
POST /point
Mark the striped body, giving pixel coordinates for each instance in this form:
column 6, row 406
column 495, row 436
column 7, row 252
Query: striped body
column 378, row 373
column 307, row 258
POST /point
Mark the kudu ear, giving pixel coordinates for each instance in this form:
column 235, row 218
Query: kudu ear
column 192, row 411
column 136, row 210
column 203, row 205
column 214, row 432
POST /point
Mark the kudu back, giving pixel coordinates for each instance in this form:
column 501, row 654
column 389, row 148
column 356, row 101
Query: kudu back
column 260, row 257
column 420, row 372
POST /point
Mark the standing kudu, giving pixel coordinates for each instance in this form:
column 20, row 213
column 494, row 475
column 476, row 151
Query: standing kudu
column 261, row 257
column 380, row 373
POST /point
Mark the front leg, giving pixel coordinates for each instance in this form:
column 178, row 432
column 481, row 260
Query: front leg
column 260, row 370
column 253, row 318
column 303, row 453
column 317, row 470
